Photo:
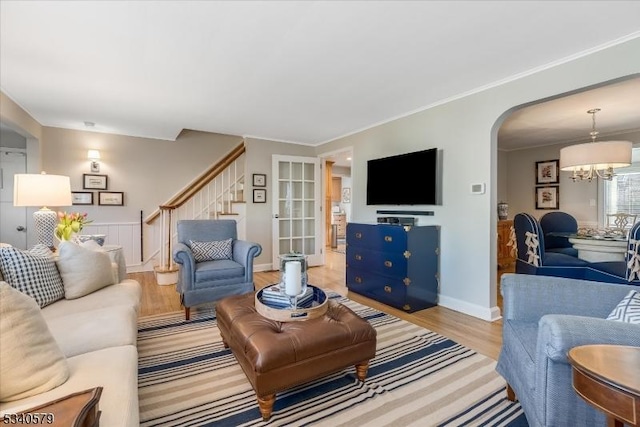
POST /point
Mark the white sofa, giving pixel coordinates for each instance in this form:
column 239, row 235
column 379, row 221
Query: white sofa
column 97, row 333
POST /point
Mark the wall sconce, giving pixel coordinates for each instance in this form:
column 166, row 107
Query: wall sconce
column 94, row 156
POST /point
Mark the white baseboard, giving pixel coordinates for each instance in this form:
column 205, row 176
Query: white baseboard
column 489, row 314
column 263, row 267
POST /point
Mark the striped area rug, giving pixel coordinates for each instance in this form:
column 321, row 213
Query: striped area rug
column 418, row 378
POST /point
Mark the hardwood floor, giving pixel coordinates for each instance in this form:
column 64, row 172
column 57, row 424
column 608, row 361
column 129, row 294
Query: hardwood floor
column 483, row 337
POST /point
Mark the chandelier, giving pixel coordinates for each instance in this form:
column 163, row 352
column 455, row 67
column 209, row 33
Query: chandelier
column 595, row 158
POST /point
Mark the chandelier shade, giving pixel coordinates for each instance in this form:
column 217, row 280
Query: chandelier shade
column 599, row 155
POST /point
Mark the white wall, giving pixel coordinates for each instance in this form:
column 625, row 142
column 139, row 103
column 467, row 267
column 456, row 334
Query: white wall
column 466, row 131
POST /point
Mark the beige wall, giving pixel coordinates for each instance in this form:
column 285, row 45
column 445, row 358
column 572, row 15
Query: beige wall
column 260, row 215
column 19, row 120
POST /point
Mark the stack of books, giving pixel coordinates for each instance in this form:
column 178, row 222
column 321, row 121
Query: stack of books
column 272, row 297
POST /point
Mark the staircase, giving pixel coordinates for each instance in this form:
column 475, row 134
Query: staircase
column 218, row 193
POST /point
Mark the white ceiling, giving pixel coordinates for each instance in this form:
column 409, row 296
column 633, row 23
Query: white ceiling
column 299, row 71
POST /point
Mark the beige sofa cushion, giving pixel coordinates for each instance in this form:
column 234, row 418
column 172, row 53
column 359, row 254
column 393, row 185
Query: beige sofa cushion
column 31, row 361
column 127, row 293
column 115, row 369
column 86, row 331
column 83, row 270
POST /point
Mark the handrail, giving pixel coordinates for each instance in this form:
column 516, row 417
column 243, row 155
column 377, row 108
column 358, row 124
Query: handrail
column 200, row 182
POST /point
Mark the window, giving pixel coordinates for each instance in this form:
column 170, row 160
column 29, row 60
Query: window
column 622, row 193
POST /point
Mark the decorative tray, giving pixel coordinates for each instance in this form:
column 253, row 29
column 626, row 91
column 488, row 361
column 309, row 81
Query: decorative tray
column 313, row 308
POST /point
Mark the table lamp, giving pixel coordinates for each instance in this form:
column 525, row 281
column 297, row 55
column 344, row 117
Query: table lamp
column 42, row 190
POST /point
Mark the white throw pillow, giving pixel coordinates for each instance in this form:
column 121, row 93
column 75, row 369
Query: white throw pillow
column 83, row 270
column 31, row 361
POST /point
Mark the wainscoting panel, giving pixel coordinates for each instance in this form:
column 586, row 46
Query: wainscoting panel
column 125, row 234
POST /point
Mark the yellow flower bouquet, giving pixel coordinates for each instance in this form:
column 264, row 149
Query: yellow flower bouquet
column 70, row 223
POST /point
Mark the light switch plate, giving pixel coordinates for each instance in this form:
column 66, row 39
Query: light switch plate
column 477, row 188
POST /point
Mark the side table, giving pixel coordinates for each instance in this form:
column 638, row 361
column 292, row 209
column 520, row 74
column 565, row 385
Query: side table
column 116, row 254
column 608, row 378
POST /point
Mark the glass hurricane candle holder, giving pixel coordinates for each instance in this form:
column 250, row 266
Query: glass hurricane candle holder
column 293, row 276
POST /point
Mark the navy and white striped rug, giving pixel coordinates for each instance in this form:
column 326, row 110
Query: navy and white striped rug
column 187, row 378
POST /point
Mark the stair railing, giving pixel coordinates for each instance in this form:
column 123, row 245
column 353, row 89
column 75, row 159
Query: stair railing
column 210, row 195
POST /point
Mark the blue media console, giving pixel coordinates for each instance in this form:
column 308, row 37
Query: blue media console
column 394, row 264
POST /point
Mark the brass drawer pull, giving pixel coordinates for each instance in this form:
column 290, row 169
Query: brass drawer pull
column 388, row 264
column 358, row 257
column 387, row 289
column 358, row 235
column 358, row 279
column 388, row 239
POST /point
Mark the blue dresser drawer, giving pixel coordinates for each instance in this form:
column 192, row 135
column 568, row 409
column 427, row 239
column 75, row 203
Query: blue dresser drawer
column 387, row 290
column 384, row 238
column 392, row 264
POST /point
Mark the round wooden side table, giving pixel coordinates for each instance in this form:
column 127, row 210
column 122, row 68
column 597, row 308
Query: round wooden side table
column 608, row 378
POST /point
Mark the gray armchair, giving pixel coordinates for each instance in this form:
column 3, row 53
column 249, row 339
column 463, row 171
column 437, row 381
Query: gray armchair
column 544, row 317
column 220, row 274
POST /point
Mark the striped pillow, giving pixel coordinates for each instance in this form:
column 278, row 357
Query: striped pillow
column 627, row 310
column 34, row 275
column 209, row 251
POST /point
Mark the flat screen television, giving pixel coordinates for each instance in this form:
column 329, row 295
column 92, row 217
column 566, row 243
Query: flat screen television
column 405, row 179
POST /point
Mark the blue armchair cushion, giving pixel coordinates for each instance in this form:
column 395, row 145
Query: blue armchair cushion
column 628, row 310
column 560, row 259
column 222, row 269
column 209, row 251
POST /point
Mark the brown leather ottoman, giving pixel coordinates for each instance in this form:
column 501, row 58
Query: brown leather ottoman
column 276, row 355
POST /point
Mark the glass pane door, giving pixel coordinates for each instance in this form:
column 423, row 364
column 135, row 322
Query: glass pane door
column 296, row 207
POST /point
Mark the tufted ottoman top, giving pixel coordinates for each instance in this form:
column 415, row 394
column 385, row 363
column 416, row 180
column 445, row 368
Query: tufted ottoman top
column 268, row 344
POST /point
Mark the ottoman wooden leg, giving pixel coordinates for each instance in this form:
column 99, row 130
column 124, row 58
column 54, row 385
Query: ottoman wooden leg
column 266, row 405
column 361, row 370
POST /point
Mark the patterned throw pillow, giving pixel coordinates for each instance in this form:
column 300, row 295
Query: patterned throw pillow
column 628, row 310
column 209, row 251
column 34, row 275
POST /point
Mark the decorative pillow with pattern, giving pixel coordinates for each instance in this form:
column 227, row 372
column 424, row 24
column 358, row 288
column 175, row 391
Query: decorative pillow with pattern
column 34, row 275
column 627, row 310
column 209, row 251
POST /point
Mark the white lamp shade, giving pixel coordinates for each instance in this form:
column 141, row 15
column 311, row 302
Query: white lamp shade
column 600, row 155
column 41, row 190
column 93, row 155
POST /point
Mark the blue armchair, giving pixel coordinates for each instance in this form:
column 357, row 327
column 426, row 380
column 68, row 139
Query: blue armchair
column 534, row 259
column 543, row 318
column 558, row 222
column 219, row 268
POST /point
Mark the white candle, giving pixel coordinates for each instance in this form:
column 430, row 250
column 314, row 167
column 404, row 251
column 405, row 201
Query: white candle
column 292, row 278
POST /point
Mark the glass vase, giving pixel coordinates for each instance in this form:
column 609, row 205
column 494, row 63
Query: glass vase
column 293, row 276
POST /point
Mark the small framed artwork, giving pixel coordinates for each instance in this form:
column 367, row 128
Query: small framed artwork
column 82, row 197
column 548, row 197
column 259, row 180
column 111, row 198
column 94, row 182
column 259, row 195
column 547, row 172
column 346, row 195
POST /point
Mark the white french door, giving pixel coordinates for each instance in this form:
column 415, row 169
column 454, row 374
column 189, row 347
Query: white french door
column 296, row 207
column 13, row 227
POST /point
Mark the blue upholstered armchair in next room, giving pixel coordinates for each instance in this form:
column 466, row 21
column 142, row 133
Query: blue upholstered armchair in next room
column 543, row 318
column 214, row 264
column 559, row 222
column 534, row 259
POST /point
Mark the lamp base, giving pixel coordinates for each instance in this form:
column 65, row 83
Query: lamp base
column 46, row 221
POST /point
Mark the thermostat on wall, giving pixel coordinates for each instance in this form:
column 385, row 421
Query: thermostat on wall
column 477, row 188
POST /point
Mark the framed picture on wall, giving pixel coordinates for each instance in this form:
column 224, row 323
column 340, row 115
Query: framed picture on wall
column 548, row 197
column 82, row 197
column 259, row 195
column 259, row 180
column 94, row 182
column 111, row 198
column 547, row 172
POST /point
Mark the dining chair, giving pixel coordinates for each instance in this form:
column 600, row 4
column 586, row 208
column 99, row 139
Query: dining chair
column 621, row 221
